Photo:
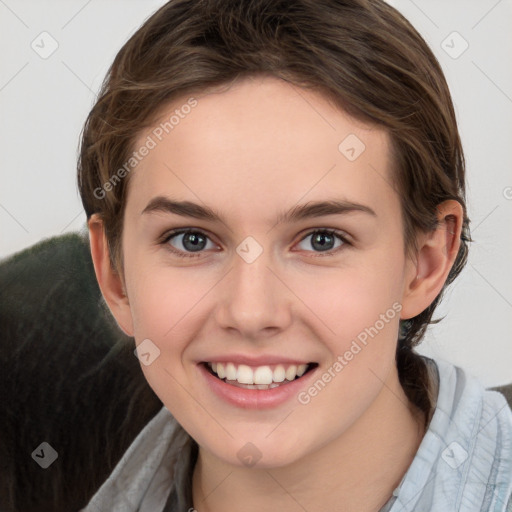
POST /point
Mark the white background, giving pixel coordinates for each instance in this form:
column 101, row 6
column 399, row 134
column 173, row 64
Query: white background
column 44, row 103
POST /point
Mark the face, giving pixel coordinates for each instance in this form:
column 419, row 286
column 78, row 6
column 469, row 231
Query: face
column 261, row 236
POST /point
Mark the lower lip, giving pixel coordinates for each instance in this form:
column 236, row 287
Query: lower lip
column 255, row 398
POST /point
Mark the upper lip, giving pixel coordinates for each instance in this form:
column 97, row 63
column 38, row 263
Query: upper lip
column 261, row 360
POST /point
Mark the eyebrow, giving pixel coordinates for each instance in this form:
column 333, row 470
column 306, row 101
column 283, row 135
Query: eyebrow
column 299, row 212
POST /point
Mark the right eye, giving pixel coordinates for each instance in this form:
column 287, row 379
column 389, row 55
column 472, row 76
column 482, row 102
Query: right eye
column 181, row 242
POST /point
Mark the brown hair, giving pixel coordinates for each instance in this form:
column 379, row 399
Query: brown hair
column 363, row 55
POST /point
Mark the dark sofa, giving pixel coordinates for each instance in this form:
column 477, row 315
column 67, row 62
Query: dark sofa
column 68, row 378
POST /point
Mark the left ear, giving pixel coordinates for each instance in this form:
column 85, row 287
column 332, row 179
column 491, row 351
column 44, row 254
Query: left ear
column 437, row 250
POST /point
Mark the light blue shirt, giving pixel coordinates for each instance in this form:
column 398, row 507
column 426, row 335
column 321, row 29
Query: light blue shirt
column 463, row 464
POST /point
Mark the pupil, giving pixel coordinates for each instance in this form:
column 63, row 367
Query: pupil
column 319, row 241
column 193, row 241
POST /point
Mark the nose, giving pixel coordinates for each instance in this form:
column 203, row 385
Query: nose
column 254, row 301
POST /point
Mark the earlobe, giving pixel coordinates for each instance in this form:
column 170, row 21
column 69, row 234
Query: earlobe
column 437, row 251
column 109, row 280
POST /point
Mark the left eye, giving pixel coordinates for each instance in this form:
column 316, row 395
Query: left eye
column 323, row 240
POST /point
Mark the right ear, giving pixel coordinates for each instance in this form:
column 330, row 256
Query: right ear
column 110, row 281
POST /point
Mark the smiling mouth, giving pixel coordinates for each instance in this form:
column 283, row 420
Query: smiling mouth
column 261, row 377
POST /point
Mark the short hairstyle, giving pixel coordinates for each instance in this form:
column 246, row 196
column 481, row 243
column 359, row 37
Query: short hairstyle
column 362, row 55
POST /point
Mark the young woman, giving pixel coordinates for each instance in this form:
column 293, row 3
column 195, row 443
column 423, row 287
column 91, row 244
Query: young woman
column 276, row 201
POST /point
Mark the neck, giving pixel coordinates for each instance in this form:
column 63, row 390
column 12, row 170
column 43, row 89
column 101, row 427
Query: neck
column 357, row 471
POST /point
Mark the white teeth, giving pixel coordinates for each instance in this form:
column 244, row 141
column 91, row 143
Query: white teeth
column 221, row 372
column 245, row 375
column 291, row 372
column 230, row 371
column 279, row 373
column 301, row 369
column 261, row 377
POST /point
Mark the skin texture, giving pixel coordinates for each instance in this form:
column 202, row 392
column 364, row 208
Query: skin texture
column 250, row 152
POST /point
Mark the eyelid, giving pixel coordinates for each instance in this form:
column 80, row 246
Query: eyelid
column 179, row 231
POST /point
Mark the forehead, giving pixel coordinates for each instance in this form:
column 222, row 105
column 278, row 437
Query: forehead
column 258, row 143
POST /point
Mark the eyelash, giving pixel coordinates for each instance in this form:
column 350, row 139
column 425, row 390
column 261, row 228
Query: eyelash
column 331, row 232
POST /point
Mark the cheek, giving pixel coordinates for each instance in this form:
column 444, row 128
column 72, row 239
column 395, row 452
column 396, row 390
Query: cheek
column 348, row 301
column 168, row 308
column 164, row 307
column 362, row 310
column 164, row 301
column 361, row 307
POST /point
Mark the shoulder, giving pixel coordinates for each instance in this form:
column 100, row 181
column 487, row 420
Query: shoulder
column 476, row 425
column 464, row 461
column 465, row 407
column 466, row 397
